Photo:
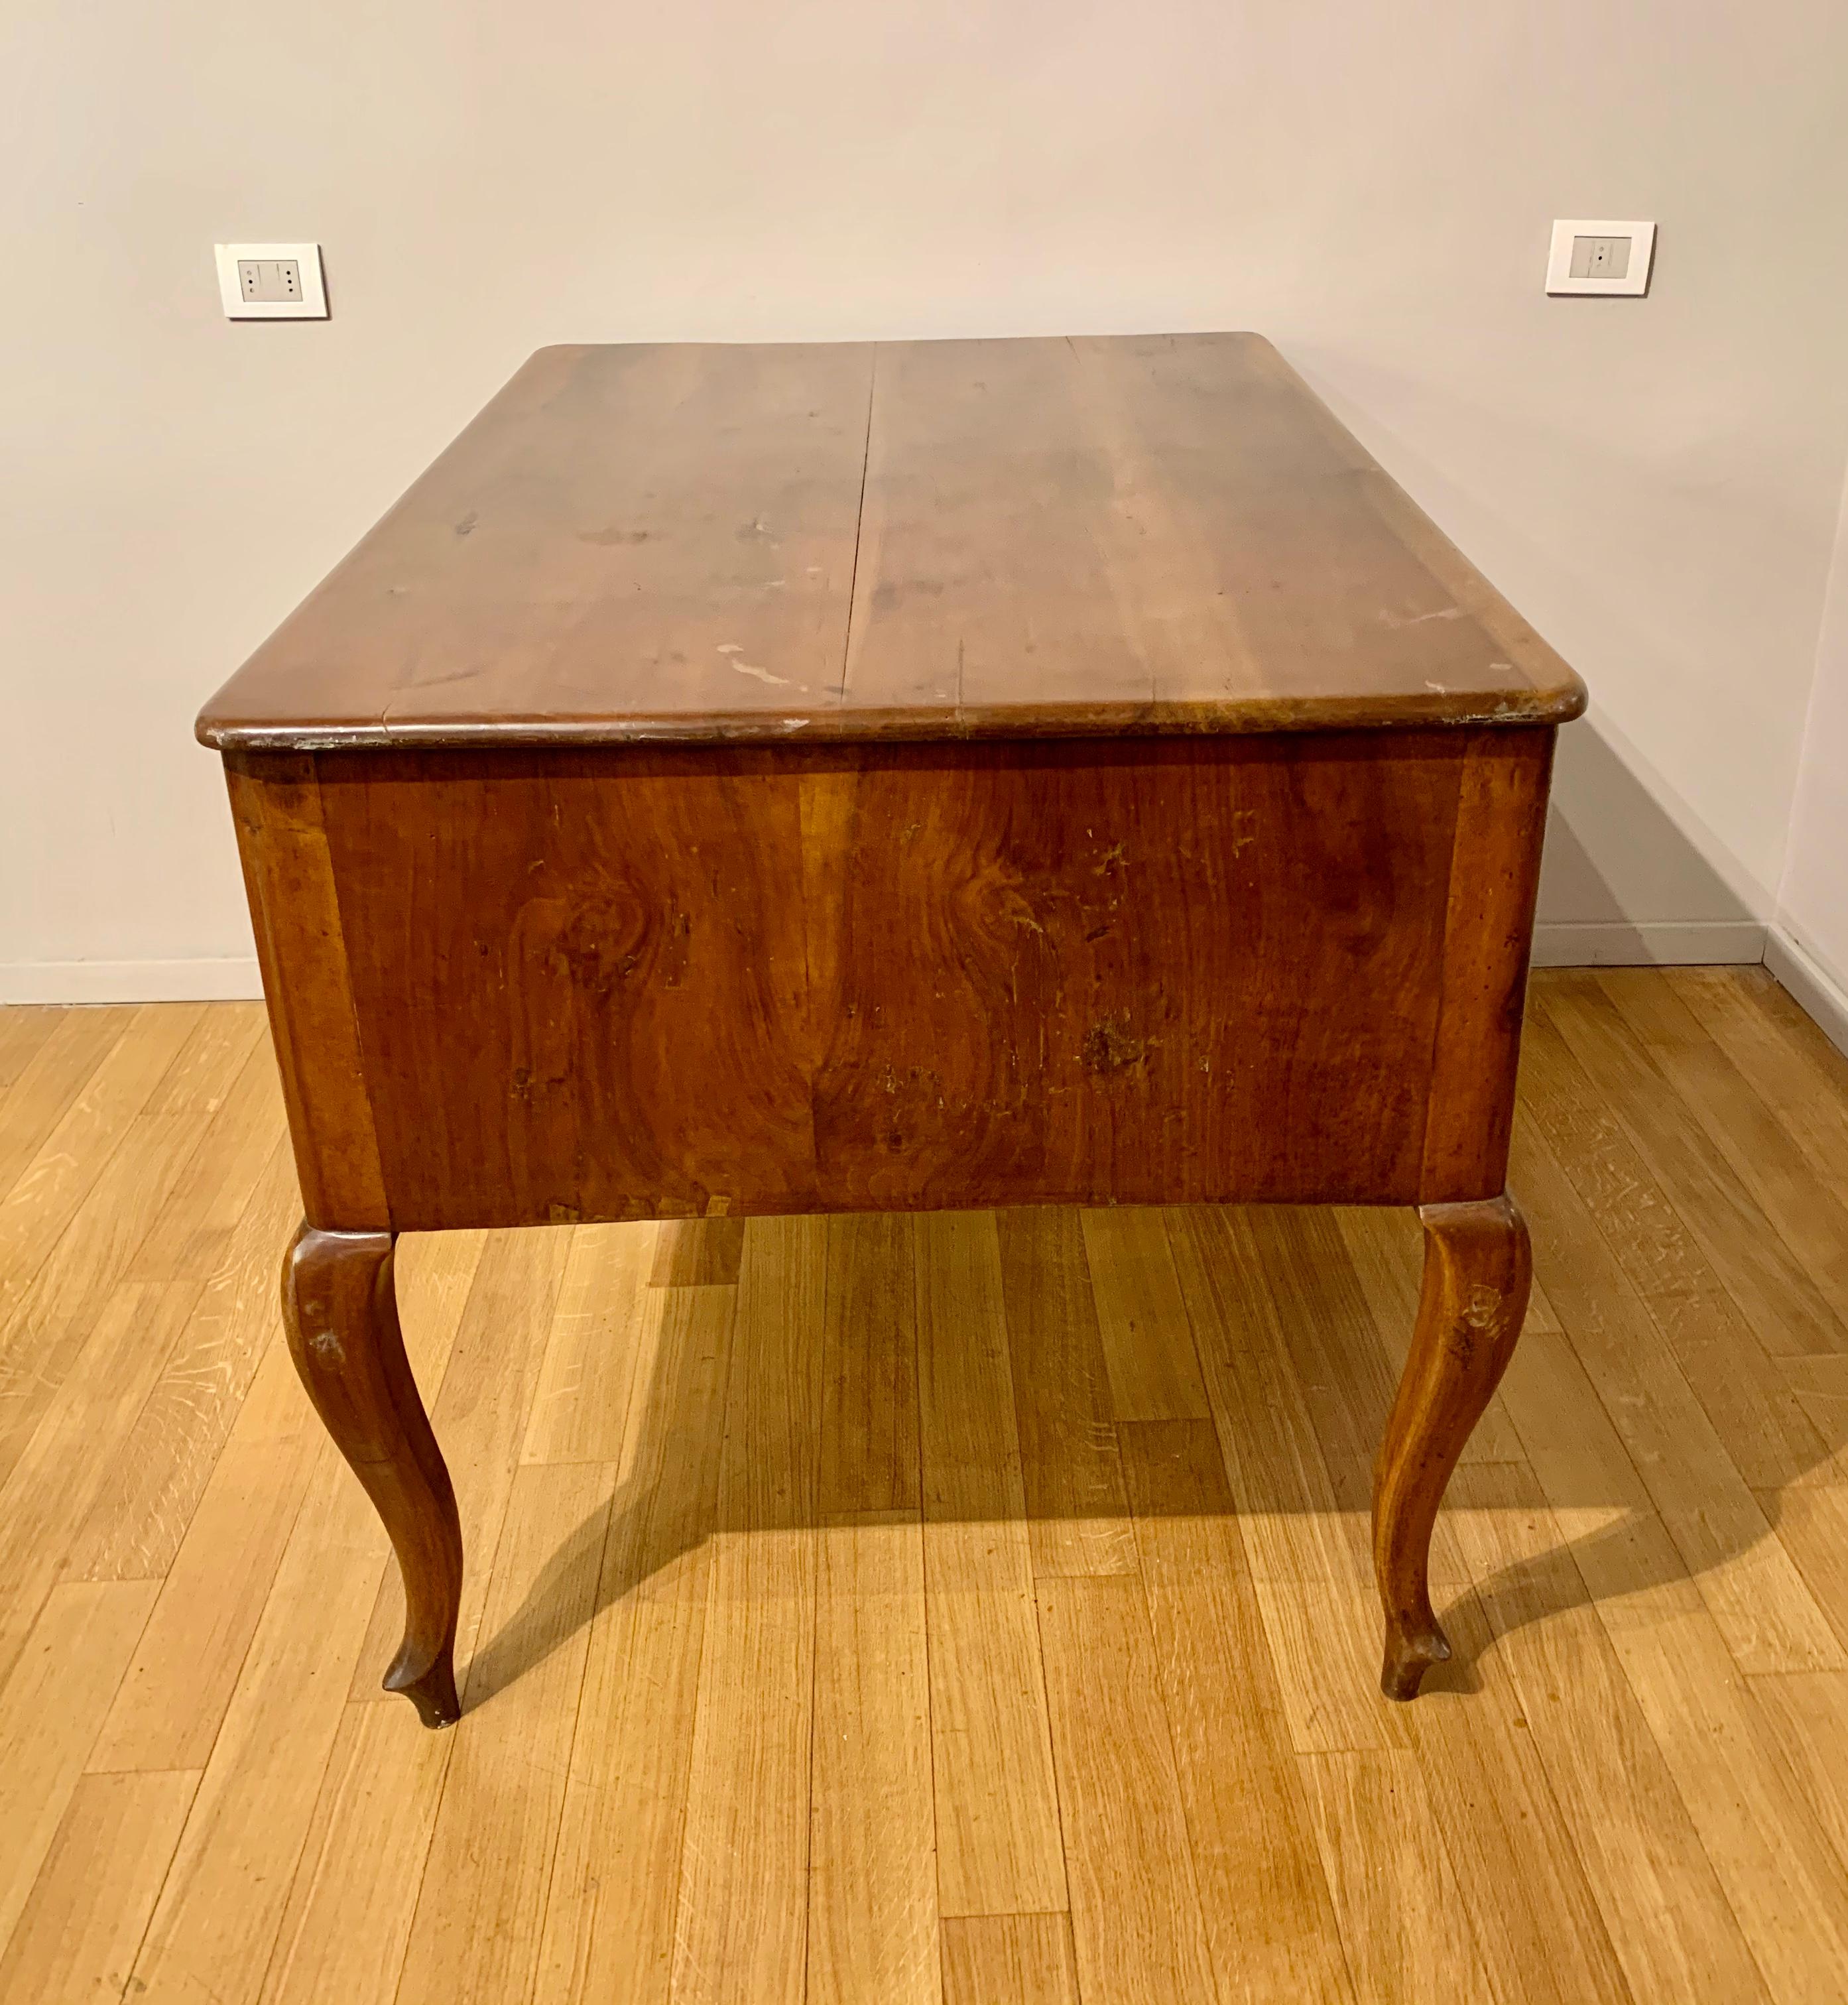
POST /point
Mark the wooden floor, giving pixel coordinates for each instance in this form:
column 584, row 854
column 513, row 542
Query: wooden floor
column 964, row 1608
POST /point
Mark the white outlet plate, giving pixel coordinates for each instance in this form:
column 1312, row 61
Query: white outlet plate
column 312, row 305
column 1635, row 282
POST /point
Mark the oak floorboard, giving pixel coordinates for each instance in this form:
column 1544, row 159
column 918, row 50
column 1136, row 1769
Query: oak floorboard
column 1794, row 1070
column 215, row 1926
column 83, row 1921
column 1780, row 1300
column 872, row 1911
column 364, row 1879
column 71, row 1662
column 744, row 1868
column 1810, row 1523
column 1262, row 1893
column 1769, row 1617
column 1147, row 1338
column 1820, row 1386
column 1135, row 1907
column 1809, row 1212
column 1742, row 1388
column 1570, row 1441
column 1805, row 1713
column 72, row 1219
column 43, row 1092
column 351, row 1899
column 1788, row 1888
column 1540, row 1933
column 173, row 1698
column 1025, row 1959
column 1345, row 1371
column 66, row 1460
column 135, row 1528
column 869, row 1446
column 1668, row 1920
column 1629, row 1787
column 167, row 1130
column 475, row 1936
column 207, row 1198
column 609, row 1935
column 872, row 1914
column 1294, row 1527
column 25, row 1029
column 1077, row 1516
column 998, row 1841
column 1325, row 1641
column 1407, row 1935
column 697, row 1253
column 580, row 1409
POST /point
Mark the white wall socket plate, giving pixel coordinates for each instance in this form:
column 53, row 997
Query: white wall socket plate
column 271, row 281
column 1601, row 256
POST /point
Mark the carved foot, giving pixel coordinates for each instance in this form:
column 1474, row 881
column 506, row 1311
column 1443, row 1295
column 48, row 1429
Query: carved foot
column 341, row 1309
column 1478, row 1268
column 431, row 1691
column 1408, row 1654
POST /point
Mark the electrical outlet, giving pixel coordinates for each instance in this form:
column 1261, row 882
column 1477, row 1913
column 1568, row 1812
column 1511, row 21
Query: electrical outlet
column 1601, row 258
column 268, row 281
column 1592, row 258
column 271, row 281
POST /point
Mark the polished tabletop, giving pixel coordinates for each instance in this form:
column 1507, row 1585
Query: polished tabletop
column 911, row 540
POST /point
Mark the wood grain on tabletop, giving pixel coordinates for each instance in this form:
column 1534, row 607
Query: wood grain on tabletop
column 947, row 538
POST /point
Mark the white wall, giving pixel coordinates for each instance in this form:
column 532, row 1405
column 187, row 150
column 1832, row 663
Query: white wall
column 1654, row 482
column 1808, row 948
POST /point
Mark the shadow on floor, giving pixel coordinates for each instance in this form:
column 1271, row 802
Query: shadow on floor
column 1299, row 1350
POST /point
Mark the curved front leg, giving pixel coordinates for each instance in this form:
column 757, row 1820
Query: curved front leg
column 1478, row 1268
column 341, row 1307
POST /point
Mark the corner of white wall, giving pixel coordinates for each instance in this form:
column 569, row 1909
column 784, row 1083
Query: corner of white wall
column 1807, row 946
column 1822, row 997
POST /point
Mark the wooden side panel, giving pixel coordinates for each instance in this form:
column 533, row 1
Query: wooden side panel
column 615, row 983
column 1140, row 972
column 276, row 801
column 582, row 981
column 1494, row 876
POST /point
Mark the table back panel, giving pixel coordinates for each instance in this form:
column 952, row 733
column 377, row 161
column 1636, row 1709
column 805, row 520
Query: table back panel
column 625, row 982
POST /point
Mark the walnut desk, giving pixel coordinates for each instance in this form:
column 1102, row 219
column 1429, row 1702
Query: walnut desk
column 938, row 774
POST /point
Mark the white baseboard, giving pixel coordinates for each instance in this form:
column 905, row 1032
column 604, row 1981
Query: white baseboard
column 234, row 979
column 1616, row 943
column 1820, row 994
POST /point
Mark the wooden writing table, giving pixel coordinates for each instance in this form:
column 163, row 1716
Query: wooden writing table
column 773, row 780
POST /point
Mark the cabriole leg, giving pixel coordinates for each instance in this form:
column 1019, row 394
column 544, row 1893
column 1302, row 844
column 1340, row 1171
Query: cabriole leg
column 1478, row 1267
column 341, row 1307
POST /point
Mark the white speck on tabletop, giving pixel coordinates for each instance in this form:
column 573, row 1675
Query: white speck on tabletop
column 1418, row 619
